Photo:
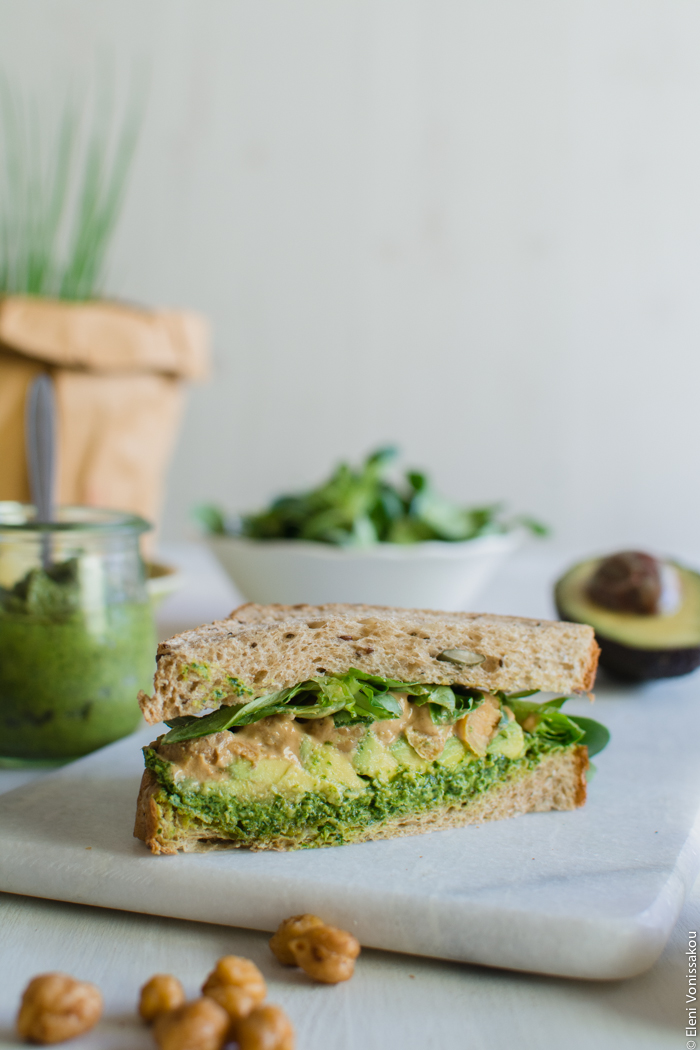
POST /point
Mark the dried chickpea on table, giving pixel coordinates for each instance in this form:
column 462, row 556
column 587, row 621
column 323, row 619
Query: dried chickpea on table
column 163, row 992
column 56, row 1007
column 237, row 985
column 324, row 952
column 232, row 1009
column 199, row 1025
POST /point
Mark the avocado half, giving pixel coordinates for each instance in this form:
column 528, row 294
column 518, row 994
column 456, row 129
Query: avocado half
column 635, row 646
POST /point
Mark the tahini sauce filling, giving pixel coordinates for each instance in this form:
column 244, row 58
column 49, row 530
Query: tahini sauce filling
column 280, row 736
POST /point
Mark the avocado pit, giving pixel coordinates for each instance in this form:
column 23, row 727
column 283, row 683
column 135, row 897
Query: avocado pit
column 628, row 582
column 635, row 582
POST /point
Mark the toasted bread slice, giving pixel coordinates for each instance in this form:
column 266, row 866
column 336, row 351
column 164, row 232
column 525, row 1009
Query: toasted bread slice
column 262, row 648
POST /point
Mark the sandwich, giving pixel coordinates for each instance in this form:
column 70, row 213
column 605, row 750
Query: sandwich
column 301, row 726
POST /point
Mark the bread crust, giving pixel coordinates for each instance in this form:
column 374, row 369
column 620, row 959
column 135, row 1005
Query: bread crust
column 262, row 648
column 148, row 824
column 558, row 782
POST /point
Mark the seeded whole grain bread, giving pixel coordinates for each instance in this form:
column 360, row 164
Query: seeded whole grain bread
column 558, row 782
column 262, row 648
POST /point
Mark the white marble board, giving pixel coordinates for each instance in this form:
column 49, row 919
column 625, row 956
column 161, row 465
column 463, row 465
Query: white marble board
column 589, row 894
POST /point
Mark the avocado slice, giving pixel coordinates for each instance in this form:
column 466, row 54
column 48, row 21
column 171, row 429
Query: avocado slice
column 636, row 646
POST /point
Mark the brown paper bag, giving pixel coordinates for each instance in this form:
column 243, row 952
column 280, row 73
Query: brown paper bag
column 118, row 374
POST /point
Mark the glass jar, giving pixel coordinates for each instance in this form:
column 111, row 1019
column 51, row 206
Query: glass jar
column 77, row 640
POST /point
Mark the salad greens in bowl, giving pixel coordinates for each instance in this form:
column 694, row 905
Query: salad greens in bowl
column 361, row 537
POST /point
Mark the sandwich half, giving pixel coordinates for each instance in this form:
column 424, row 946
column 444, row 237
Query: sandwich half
column 302, row 726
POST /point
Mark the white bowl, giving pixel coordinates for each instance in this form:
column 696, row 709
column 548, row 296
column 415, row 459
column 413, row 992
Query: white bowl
column 430, row 575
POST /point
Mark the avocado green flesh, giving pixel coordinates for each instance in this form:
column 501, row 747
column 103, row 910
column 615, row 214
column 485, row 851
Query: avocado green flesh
column 264, row 803
column 678, row 630
column 65, row 691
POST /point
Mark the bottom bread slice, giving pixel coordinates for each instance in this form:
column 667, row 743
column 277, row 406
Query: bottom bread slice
column 556, row 782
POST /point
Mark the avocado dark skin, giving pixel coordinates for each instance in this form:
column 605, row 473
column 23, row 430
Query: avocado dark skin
column 620, row 597
column 644, row 665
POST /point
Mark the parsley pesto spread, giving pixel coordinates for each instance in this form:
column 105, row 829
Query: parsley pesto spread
column 71, row 662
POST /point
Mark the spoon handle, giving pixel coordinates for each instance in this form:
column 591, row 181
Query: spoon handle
column 40, row 437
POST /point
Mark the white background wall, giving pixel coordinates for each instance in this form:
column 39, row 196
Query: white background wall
column 468, row 226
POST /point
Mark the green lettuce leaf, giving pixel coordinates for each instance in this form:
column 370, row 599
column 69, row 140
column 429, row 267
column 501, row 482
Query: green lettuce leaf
column 360, row 698
column 557, row 728
column 363, row 505
column 554, row 725
column 595, row 736
column 188, row 727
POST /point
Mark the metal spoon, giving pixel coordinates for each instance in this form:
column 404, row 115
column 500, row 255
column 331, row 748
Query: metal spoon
column 40, row 438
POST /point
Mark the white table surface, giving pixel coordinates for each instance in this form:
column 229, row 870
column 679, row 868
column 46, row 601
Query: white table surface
column 392, row 1001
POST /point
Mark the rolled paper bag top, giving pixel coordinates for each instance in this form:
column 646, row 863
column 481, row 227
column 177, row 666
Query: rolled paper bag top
column 104, row 336
column 119, row 375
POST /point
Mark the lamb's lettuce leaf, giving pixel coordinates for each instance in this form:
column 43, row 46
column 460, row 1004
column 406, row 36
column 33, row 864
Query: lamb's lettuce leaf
column 355, row 697
column 361, row 506
column 547, row 719
column 360, row 698
column 595, row 736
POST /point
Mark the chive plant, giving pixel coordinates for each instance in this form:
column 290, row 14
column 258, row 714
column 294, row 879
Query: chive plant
column 61, row 193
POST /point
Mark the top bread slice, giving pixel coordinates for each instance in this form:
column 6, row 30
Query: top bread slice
column 262, row 648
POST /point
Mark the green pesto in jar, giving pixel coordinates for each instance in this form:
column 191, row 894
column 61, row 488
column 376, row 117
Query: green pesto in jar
column 70, row 670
